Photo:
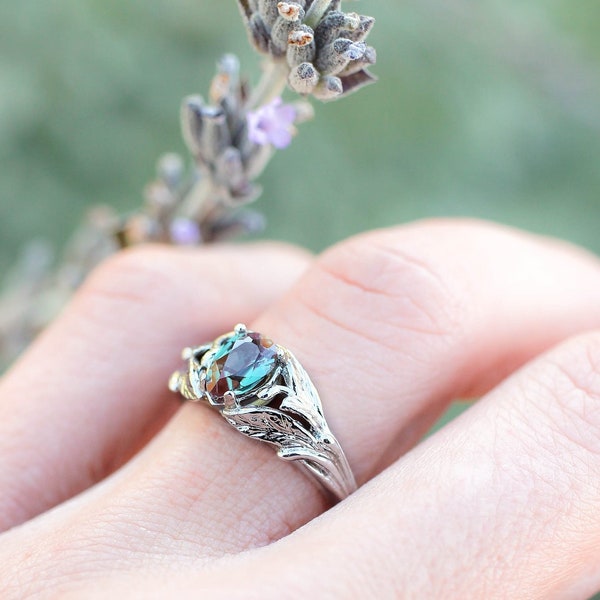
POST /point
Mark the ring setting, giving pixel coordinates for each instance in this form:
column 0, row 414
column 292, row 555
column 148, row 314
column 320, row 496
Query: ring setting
column 261, row 389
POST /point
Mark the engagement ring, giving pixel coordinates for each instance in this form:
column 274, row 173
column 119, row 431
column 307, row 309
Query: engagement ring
column 262, row 390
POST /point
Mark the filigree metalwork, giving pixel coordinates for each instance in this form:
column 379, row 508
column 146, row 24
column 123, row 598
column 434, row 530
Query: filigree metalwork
column 285, row 412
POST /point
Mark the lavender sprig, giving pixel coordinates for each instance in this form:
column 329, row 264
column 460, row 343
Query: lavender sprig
column 310, row 46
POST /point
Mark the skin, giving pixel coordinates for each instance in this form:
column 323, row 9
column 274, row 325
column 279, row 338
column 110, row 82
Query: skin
column 113, row 489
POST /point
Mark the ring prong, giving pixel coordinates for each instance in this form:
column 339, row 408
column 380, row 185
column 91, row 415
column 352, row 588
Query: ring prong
column 240, row 329
column 187, row 353
column 230, row 401
column 175, row 382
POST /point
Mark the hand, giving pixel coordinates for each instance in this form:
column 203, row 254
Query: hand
column 153, row 499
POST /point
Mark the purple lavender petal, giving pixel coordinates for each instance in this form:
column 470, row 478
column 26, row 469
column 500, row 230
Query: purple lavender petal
column 256, row 131
column 272, row 124
column 286, row 114
column 281, row 138
column 185, row 232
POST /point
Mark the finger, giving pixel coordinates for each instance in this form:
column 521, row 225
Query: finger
column 502, row 503
column 91, row 389
column 390, row 326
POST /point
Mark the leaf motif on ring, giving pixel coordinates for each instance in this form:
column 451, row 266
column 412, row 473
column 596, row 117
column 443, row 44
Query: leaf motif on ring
column 270, row 425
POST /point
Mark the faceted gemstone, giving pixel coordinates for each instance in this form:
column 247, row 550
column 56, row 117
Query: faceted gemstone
column 241, row 364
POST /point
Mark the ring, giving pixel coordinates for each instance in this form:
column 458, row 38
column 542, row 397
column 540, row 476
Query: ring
column 262, row 390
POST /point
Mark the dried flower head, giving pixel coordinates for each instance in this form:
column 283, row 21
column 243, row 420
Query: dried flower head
column 321, row 48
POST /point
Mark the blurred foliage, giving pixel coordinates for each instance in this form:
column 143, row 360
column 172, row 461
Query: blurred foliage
column 484, row 108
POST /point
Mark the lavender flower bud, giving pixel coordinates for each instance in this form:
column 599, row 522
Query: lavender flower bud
column 205, row 129
column 360, row 33
column 230, row 172
column 215, row 135
column 268, row 11
column 170, row 169
column 259, row 34
column 191, row 122
column 335, row 58
column 291, row 11
column 227, row 79
column 368, row 58
column 329, row 88
column 304, row 78
column 281, row 31
column 332, row 26
column 301, row 46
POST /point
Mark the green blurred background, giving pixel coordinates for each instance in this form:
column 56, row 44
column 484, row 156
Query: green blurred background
column 483, row 108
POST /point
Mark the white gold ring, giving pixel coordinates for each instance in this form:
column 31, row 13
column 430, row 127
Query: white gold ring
column 262, row 390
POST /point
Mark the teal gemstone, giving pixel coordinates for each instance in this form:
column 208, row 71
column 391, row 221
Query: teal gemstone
column 241, row 364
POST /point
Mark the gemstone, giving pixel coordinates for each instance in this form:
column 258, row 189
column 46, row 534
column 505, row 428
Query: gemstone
column 241, row 364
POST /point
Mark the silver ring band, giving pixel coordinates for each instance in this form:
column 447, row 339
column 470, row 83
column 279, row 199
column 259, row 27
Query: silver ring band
column 262, row 390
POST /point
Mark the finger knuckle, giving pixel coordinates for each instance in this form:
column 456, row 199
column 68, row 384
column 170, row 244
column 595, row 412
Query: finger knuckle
column 126, row 282
column 383, row 287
